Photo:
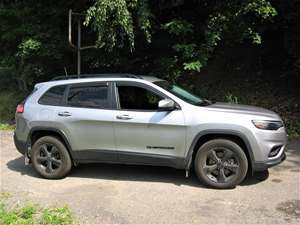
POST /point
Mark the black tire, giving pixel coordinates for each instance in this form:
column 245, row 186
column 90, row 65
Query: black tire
column 221, row 163
column 50, row 158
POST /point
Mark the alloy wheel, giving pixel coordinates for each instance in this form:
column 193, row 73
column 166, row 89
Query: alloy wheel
column 221, row 165
column 49, row 158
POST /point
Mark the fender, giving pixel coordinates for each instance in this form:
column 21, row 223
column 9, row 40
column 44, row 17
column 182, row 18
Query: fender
column 189, row 157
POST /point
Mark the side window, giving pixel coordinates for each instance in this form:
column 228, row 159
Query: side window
column 133, row 97
column 95, row 96
column 54, row 96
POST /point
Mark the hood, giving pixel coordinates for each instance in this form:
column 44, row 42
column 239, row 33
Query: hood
column 243, row 109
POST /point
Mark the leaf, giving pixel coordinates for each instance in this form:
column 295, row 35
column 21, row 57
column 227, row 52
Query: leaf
column 193, row 66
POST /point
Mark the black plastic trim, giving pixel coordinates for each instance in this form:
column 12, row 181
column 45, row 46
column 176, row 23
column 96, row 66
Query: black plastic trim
column 20, row 145
column 95, row 156
column 150, row 159
column 111, row 156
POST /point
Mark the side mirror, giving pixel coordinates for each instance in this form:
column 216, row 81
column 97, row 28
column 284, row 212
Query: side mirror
column 166, row 104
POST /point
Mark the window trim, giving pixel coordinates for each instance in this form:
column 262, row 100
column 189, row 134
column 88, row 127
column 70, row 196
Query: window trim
column 45, row 92
column 90, row 84
column 116, row 98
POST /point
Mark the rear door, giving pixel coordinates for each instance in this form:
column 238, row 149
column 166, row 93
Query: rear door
column 87, row 117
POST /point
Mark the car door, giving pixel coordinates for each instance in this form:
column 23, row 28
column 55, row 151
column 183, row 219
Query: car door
column 87, row 117
column 143, row 133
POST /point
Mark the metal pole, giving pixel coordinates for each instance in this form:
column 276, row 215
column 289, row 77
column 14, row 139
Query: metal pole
column 78, row 47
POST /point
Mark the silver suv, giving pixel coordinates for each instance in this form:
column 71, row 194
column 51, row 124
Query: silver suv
column 129, row 119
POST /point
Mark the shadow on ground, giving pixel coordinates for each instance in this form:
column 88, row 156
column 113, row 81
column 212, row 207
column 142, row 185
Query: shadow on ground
column 130, row 173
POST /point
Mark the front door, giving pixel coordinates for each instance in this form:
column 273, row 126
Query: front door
column 143, row 133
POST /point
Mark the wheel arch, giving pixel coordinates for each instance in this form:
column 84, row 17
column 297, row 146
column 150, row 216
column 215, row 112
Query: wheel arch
column 235, row 136
column 38, row 132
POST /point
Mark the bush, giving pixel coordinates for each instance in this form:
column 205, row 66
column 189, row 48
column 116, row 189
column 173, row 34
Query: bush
column 8, row 103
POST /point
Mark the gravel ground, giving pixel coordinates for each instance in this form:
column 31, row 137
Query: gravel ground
column 122, row 194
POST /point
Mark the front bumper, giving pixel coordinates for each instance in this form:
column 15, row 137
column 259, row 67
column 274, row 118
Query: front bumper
column 261, row 166
column 20, row 145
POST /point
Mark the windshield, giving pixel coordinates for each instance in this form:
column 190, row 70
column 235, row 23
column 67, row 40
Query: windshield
column 181, row 93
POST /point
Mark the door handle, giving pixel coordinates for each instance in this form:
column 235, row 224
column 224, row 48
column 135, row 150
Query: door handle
column 64, row 114
column 123, row 117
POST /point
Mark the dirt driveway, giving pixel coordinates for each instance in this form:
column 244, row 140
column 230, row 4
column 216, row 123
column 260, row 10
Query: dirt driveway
column 139, row 194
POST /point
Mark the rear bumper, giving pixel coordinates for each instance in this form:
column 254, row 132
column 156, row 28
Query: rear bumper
column 261, row 166
column 20, row 145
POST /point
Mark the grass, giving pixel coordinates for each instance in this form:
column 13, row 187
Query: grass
column 5, row 126
column 4, row 195
column 33, row 214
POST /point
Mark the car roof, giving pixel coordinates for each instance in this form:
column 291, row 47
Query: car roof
column 83, row 78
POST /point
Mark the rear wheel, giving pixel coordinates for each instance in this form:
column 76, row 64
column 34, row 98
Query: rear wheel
column 50, row 158
column 221, row 163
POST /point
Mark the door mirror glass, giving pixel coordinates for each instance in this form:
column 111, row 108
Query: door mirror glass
column 166, row 104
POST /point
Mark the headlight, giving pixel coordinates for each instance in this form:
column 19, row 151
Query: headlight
column 267, row 124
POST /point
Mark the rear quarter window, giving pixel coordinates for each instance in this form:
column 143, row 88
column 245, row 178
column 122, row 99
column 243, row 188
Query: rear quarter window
column 54, row 96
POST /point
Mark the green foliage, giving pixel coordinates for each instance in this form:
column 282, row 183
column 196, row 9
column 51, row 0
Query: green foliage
column 5, row 126
column 9, row 100
column 178, row 27
column 32, row 42
column 143, row 18
column 56, row 216
column 230, row 98
column 187, row 50
column 32, row 214
column 194, row 66
column 28, row 47
column 261, row 8
column 17, row 216
column 293, row 128
column 114, row 23
column 230, row 21
column 102, row 13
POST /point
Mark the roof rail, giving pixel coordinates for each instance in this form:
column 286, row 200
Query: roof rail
column 116, row 75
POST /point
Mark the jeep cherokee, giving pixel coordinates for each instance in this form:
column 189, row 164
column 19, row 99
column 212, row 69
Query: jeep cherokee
column 130, row 119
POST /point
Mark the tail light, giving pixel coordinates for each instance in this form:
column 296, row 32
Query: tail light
column 20, row 108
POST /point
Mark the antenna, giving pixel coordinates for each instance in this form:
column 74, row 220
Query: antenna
column 77, row 47
column 66, row 73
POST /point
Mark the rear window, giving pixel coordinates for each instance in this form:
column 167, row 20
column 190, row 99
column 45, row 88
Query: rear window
column 54, row 96
column 95, row 96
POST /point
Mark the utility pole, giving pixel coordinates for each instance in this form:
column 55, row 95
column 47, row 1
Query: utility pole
column 78, row 46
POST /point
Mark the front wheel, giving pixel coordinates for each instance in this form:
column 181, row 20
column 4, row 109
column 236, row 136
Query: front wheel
column 221, row 163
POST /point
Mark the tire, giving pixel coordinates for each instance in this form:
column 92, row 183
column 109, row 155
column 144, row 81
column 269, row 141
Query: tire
column 221, row 163
column 50, row 158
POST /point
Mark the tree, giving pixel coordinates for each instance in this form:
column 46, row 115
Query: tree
column 193, row 39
